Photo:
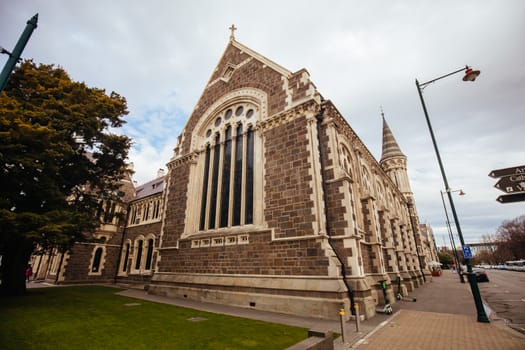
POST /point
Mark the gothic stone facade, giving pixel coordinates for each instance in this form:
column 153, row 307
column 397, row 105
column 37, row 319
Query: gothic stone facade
column 273, row 202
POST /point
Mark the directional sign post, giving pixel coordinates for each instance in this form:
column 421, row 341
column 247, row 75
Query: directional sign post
column 517, row 170
column 511, row 198
column 512, row 181
column 511, row 184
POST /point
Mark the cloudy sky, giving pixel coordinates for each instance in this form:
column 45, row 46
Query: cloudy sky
column 360, row 54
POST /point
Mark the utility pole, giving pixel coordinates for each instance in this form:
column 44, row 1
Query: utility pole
column 17, row 51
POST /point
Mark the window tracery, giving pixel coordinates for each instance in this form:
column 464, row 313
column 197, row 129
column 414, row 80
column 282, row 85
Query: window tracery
column 227, row 188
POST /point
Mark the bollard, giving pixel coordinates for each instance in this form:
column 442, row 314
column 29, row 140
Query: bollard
column 342, row 316
column 357, row 317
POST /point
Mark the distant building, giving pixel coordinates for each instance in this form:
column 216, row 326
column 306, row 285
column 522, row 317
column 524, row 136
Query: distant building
column 490, row 247
column 89, row 262
column 271, row 201
column 431, row 251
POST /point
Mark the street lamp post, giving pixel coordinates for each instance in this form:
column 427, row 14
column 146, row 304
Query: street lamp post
column 17, row 51
column 451, row 236
column 470, row 75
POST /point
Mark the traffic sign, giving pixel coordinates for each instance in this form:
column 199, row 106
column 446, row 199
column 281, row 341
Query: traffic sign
column 517, row 170
column 510, row 198
column 511, row 184
column 467, row 253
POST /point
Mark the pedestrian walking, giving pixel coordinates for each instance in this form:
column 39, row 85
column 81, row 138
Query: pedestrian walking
column 29, row 272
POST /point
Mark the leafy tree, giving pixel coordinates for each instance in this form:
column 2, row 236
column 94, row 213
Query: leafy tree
column 59, row 159
column 446, row 258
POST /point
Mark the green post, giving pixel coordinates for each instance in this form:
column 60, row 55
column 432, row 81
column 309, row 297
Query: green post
column 17, row 52
column 482, row 316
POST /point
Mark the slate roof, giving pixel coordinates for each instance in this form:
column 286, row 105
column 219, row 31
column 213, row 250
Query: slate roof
column 150, row 188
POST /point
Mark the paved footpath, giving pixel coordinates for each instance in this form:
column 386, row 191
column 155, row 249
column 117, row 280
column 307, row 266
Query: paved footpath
column 444, row 317
column 408, row 329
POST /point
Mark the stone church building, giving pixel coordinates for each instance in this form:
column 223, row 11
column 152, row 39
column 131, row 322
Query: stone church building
column 271, row 201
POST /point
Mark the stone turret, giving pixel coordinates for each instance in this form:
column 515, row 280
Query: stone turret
column 394, row 162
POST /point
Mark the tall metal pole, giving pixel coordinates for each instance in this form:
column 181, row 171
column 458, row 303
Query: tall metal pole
column 458, row 265
column 482, row 316
column 17, row 51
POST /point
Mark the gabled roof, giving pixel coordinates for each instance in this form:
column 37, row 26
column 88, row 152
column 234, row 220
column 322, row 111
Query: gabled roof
column 223, row 62
column 225, row 78
column 280, row 69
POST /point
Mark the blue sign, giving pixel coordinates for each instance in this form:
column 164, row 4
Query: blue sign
column 467, row 253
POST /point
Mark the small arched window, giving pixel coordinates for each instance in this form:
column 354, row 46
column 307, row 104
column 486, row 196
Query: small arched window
column 346, row 160
column 366, row 178
column 138, row 256
column 126, row 257
column 95, row 267
column 149, row 255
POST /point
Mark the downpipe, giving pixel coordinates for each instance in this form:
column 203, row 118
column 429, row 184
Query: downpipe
column 349, row 290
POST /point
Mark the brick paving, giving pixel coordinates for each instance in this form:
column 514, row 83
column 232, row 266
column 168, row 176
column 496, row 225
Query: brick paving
column 409, row 329
column 444, row 317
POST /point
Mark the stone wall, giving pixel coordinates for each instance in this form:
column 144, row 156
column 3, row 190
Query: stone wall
column 288, row 202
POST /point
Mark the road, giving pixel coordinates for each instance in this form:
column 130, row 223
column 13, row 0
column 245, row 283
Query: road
column 505, row 294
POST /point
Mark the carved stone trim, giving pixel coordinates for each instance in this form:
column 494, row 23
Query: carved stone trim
column 308, row 108
column 177, row 162
column 255, row 96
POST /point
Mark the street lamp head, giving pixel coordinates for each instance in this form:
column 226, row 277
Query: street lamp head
column 4, row 51
column 470, row 74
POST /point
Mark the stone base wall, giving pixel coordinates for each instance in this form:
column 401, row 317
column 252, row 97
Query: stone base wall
column 307, row 296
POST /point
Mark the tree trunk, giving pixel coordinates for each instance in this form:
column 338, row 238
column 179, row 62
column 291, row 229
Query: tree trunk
column 14, row 263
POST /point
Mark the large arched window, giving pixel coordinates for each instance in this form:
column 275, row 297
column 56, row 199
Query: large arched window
column 228, row 168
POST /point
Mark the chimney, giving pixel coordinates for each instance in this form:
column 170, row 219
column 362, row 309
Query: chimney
column 160, row 173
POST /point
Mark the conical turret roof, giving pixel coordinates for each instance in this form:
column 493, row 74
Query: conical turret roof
column 390, row 146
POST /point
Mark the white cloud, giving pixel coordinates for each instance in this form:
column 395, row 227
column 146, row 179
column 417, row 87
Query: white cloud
column 361, row 55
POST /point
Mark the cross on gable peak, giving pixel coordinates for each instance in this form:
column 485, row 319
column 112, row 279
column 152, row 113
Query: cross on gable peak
column 232, row 28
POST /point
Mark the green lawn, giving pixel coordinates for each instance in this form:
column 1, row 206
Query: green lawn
column 93, row 317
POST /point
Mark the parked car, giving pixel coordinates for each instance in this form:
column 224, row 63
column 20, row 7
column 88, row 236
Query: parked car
column 481, row 275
